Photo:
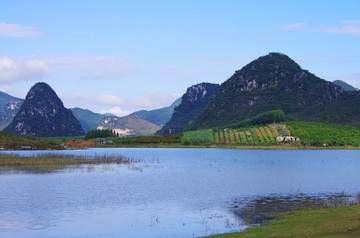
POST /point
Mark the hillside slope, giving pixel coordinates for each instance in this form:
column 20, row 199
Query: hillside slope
column 276, row 82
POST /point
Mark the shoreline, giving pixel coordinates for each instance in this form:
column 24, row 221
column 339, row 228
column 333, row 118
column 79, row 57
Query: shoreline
column 256, row 147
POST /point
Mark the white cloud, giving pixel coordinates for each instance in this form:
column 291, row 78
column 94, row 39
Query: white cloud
column 117, row 111
column 103, row 99
column 16, row 69
column 13, row 30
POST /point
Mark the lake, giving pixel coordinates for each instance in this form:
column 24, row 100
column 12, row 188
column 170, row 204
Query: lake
column 172, row 192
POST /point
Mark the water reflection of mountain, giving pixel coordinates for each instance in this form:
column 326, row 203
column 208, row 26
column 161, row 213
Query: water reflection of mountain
column 260, row 210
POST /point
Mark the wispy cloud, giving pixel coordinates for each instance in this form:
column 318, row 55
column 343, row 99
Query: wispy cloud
column 295, row 26
column 92, row 67
column 345, row 27
column 350, row 21
column 13, row 30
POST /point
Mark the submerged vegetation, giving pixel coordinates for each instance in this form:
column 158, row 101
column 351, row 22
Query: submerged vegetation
column 56, row 161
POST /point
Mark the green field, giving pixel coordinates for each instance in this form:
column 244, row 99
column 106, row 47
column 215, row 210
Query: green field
column 310, row 134
column 199, row 137
column 318, row 134
column 321, row 222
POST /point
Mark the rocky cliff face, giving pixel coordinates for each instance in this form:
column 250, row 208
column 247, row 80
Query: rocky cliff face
column 43, row 114
column 193, row 102
column 276, row 82
column 10, row 110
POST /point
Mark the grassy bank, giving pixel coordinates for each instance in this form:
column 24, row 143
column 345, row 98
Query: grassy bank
column 17, row 142
column 54, row 161
column 341, row 221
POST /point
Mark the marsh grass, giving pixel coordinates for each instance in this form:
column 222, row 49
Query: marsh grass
column 55, row 161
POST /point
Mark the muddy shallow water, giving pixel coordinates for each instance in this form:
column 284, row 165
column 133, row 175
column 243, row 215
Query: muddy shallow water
column 173, row 192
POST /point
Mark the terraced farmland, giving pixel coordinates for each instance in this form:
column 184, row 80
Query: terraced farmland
column 256, row 135
column 247, row 136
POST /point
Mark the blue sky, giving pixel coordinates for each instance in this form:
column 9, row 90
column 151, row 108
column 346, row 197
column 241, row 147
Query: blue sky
column 123, row 56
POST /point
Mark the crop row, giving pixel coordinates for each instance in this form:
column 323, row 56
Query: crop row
column 252, row 135
column 243, row 136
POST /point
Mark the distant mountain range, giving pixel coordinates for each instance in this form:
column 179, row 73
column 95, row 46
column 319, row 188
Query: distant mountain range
column 344, row 85
column 192, row 104
column 158, row 116
column 128, row 126
column 276, row 82
column 43, row 115
column 89, row 120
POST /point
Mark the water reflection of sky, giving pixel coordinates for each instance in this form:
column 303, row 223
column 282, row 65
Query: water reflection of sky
column 169, row 193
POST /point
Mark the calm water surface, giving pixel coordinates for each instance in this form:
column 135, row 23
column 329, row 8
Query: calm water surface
column 171, row 192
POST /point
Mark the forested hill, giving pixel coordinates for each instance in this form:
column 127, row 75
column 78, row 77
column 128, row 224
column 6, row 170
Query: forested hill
column 275, row 82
